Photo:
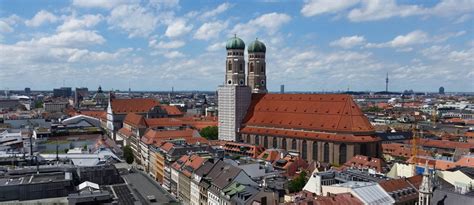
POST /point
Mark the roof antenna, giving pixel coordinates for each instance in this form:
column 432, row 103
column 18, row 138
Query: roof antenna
column 235, row 35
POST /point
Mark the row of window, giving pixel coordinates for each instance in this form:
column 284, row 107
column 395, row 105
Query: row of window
column 256, row 56
column 235, row 53
column 241, row 67
column 304, row 149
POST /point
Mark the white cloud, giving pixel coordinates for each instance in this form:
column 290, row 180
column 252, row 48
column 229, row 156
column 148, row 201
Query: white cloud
column 403, row 42
column 446, row 36
column 316, row 7
column 210, row 30
column 12, row 19
column 218, row 10
column 372, row 10
column 382, row 9
column 40, row 18
column 270, row 23
column 216, row 46
column 5, row 28
column 173, row 54
column 412, row 38
column 106, row 4
column 177, row 28
column 166, row 45
column 80, row 38
column 164, row 3
column 348, row 41
column 86, row 21
column 453, row 7
column 133, row 19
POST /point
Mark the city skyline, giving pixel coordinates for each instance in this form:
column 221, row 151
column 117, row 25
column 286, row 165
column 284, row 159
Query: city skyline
column 311, row 46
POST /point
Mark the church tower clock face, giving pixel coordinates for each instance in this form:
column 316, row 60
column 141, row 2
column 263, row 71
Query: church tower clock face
column 229, row 82
column 241, row 82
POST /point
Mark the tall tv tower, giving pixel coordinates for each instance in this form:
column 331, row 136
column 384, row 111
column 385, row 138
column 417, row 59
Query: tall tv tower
column 386, row 83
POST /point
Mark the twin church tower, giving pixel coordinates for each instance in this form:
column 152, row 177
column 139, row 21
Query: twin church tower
column 256, row 66
column 234, row 96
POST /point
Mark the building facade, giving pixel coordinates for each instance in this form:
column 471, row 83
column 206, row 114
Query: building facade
column 320, row 127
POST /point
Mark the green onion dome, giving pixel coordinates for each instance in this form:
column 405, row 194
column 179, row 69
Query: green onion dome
column 235, row 43
column 257, row 46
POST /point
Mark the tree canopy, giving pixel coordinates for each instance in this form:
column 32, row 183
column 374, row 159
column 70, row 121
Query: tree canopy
column 297, row 183
column 128, row 154
column 210, row 133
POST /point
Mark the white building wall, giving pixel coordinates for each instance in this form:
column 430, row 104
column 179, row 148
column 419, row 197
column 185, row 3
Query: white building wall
column 194, row 193
column 233, row 104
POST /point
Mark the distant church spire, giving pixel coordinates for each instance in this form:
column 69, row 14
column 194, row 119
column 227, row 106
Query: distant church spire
column 386, row 83
column 426, row 187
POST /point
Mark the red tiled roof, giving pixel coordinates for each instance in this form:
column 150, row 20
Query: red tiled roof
column 151, row 136
column 364, row 161
column 124, row 131
column 309, row 135
column 394, row 184
column 270, row 155
column 344, row 198
column 172, row 110
column 167, row 146
column 164, row 122
column 138, row 105
column 316, row 112
column 135, row 120
column 94, row 113
column 252, row 150
column 444, row 144
column 398, row 185
column 178, row 122
column 402, row 150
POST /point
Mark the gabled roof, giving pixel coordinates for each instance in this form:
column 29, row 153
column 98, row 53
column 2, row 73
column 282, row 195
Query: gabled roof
column 222, row 174
column 172, row 110
column 158, row 136
column 366, row 162
column 135, row 120
column 93, row 113
column 138, row 105
column 314, row 112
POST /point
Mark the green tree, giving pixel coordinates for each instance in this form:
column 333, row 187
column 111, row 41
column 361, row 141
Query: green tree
column 128, row 154
column 297, row 183
column 39, row 104
column 210, row 133
column 373, row 109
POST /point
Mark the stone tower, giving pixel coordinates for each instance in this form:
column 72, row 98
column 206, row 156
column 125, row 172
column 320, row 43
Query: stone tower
column 426, row 188
column 235, row 62
column 256, row 67
column 234, row 96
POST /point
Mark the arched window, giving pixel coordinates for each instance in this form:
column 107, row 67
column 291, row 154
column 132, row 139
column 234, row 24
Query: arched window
column 283, row 143
column 229, row 66
column 342, row 153
column 293, row 144
column 265, row 142
column 241, row 68
column 257, row 140
column 304, row 150
column 315, row 151
column 275, row 142
column 248, row 138
column 262, row 69
column 326, row 152
column 251, row 67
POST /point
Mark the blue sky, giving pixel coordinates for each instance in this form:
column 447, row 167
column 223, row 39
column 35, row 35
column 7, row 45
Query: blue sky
column 320, row 45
